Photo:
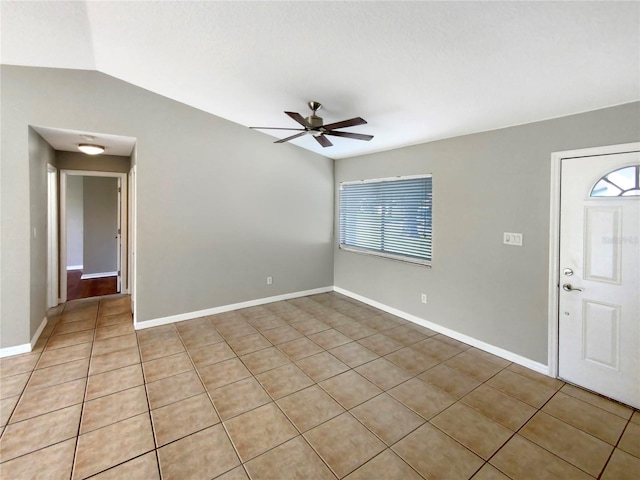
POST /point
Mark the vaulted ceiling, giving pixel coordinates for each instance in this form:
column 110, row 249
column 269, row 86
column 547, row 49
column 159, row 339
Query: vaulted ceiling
column 416, row 71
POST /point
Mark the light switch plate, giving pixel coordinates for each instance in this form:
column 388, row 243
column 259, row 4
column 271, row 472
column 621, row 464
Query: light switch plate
column 513, row 239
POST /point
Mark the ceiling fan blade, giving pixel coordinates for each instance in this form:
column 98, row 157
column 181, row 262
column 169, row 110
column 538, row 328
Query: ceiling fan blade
column 290, row 138
column 355, row 136
column 278, row 128
column 299, row 118
column 322, row 140
column 352, row 122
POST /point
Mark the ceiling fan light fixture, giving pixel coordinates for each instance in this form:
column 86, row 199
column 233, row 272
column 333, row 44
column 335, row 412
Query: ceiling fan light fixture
column 91, row 149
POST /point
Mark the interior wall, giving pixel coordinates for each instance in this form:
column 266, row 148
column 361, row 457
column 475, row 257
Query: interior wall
column 75, row 221
column 93, row 163
column 484, row 184
column 219, row 206
column 100, row 245
column 40, row 154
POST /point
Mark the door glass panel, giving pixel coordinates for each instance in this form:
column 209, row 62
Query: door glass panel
column 623, row 182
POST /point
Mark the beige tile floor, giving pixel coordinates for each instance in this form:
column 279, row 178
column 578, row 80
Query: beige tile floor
column 320, row 387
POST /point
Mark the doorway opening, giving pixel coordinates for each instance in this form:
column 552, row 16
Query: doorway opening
column 93, row 234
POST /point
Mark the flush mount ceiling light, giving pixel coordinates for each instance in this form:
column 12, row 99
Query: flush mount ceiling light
column 91, row 149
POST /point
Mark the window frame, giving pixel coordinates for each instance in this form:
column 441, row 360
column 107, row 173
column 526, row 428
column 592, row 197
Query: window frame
column 391, row 256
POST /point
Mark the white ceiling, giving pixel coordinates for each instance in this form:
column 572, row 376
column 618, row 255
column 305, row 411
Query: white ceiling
column 416, row 71
column 68, row 140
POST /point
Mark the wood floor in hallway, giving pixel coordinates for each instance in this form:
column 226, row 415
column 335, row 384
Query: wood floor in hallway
column 89, row 287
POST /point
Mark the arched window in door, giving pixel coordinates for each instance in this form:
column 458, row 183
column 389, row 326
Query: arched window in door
column 623, row 182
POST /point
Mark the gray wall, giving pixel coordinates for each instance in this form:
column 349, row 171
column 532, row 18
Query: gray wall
column 39, row 155
column 100, row 224
column 484, row 184
column 95, row 163
column 220, row 207
column 75, row 220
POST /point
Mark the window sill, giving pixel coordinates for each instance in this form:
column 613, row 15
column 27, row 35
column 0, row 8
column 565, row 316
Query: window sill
column 389, row 256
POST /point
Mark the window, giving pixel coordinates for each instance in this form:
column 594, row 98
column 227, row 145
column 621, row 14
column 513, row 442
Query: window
column 623, row 182
column 389, row 217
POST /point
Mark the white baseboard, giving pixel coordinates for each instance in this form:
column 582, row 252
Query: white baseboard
column 36, row 336
column 27, row 347
column 98, row 275
column 16, row 350
column 75, row 267
column 227, row 308
column 500, row 352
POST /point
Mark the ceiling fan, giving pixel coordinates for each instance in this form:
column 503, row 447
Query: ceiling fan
column 313, row 126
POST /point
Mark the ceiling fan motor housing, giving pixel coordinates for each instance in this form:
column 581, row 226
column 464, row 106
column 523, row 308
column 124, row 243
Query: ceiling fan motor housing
column 314, row 120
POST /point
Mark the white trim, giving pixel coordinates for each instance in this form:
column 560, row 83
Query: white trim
column 554, row 238
column 500, row 352
column 98, row 275
column 75, row 267
column 27, row 347
column 227, row 308
column 132, row 201
column 62, row 200
column 63, row 223
column 36, row 337
column 17, row 350
column 53, row 273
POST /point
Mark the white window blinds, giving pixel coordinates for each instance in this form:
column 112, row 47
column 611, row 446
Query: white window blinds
column 388, row 217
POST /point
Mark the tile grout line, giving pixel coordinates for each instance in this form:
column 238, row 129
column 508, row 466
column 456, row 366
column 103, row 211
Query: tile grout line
column 151, row 424
column 221, row 423
column 24, row 390
column 86, row 386
column 299, row 434
column 348, row 411
column 540, row 446
column 604, row 467
column 31, row 372
column 487, row 461
column 104, row 426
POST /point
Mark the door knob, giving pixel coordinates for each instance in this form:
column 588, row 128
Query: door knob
column 568, row 288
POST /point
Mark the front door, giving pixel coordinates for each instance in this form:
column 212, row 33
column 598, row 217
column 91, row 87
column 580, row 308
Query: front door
column 599, row 312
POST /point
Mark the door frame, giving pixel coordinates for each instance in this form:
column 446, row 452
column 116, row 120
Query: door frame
column 132, row 201
column 53, row 297
column 63, row 226
column 554, row 239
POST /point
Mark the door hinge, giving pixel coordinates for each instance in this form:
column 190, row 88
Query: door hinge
column 119, row 273
column 119, row 232
column 119, row 189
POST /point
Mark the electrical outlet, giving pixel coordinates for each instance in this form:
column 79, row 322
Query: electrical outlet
column 269, row 280
column 423, row 298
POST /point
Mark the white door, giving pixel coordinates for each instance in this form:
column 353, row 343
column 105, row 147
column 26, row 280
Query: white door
column 599, row 296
